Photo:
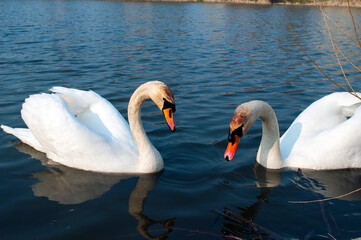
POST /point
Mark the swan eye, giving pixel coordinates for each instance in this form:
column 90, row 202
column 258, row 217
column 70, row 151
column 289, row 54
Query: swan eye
column 168, row 104
column 236, row 132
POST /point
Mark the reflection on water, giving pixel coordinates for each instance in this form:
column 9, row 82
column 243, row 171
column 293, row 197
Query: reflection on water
column 334, row 183
column 136, row 207
column 241, row 222
column 328, row 184
column 267, row 178
column 72, row 186
column 67, row 185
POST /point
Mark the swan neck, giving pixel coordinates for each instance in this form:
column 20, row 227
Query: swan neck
column 147, row 152
column 269, row 153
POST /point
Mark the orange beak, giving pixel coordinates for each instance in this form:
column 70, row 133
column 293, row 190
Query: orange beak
column 168, row 114
column 231, row 149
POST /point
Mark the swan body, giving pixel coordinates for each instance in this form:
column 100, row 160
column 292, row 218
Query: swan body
column 326, row 135
column 82, row 130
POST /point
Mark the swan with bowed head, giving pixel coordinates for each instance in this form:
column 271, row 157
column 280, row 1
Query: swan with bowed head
column 82, row 130
column 326, row 135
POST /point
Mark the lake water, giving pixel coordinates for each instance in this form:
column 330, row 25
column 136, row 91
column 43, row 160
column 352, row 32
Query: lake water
column 213, row 57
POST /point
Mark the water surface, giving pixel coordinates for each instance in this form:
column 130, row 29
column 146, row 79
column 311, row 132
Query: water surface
column 213, row 57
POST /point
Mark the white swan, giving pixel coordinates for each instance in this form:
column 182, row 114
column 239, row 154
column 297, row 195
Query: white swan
column 80, row 129
column 326, row 135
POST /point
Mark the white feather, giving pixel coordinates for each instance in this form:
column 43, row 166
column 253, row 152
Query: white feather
column 326, row 135
column 80, row 129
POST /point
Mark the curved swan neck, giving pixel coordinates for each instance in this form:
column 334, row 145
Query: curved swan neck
column 146, row 149
column 269, row 153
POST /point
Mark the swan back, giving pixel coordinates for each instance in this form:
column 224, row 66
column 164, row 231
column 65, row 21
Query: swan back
column 79, row 142
column 325, row 135
column 326, row 113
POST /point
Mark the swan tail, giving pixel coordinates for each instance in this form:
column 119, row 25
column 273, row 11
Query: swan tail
column 78, row 101
column 25, row 136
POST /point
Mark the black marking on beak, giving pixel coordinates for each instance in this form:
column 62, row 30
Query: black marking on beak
column 238, row 132
column 168, row 104
column 170, row 113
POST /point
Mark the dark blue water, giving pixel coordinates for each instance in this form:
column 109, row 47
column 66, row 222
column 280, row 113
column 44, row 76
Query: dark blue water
column 213, row 57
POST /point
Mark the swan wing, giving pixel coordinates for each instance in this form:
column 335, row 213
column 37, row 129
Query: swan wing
column 323, row 137
column 96, row 113
column 326, row 113
column 336, row 148
column 76, row 140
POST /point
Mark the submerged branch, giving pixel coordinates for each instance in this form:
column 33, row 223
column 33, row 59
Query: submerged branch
column 327, row 199
column 331, row 236
column 206, row 233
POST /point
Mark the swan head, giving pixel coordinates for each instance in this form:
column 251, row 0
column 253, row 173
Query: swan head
column 163, row 97
column 241, row 122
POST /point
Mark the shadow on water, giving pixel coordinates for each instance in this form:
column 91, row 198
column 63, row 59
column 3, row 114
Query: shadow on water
column 71, row 186
column 322, row 186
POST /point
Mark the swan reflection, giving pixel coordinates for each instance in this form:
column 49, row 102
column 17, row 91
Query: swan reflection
column 267, row 178
column 327, row 183
column 71, row 186
column 241, row 222
column 333, row 183
column 136, row 206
